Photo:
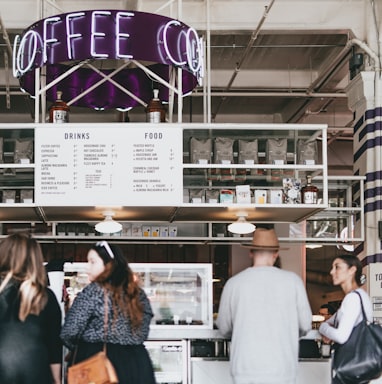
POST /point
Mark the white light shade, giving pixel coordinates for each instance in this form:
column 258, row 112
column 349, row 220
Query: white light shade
column 108, row 225
column 313, row 246
column 241, row 226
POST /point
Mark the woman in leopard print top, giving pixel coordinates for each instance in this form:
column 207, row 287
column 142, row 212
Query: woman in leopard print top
column 129, row 316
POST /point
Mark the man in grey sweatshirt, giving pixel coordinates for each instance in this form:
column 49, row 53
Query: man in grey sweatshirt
column 264, row 310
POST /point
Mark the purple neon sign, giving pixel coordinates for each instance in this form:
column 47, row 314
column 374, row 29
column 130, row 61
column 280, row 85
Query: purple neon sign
column 60, row 41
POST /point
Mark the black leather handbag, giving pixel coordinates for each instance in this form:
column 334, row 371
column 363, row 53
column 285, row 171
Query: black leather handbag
column 359, row 360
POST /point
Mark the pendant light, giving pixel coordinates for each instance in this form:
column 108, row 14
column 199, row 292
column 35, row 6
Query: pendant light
column 241, row 225
column 108, row 225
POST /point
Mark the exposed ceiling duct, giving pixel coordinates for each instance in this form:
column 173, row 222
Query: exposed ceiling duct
column 244, row 56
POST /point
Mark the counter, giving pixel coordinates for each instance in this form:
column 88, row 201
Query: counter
column 178, row 333
column 207, row 368
column 216, row 371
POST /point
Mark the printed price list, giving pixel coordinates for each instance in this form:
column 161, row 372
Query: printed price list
column 92, row 166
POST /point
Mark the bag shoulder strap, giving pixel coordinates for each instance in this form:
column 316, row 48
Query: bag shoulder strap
column 105, row 318
column 362, row 307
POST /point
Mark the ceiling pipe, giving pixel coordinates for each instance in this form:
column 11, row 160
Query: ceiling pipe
column 234, row 46
column 331, row 69
column 333, row 136
column 13, row 93
column 335, row 65
column 327, row 73
column 6, row 37
column 302, row 111
column 244, row 56
column 273, row 94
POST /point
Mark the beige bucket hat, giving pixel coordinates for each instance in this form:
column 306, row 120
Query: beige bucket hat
column 263, row 239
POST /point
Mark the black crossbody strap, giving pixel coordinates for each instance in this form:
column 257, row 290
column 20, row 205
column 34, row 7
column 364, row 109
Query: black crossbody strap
column 105, row 318
column 362, row 308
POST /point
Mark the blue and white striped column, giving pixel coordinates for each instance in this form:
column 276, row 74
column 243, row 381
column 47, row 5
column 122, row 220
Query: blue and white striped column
column 365, row 101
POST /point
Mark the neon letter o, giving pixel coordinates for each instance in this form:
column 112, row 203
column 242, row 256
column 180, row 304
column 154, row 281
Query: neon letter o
column 31, row 54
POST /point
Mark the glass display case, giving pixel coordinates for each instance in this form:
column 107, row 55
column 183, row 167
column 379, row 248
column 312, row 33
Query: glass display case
column 180, row 293
column 169, row 360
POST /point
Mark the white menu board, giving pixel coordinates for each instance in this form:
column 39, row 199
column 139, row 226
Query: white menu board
column 86, row 165
column 375, row 290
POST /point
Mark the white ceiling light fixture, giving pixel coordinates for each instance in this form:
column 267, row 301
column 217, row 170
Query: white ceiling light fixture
column 241, row 225
column 313, row 246
column 108, row 225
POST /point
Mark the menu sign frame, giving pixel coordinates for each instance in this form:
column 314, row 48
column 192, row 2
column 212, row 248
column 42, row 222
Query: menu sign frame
column 87, row 164
column 375, row 290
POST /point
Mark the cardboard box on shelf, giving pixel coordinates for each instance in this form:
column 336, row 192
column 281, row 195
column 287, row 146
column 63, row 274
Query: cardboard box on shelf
column 26, row 196
column 226, row 196
column 9, row 196
column 260, row 196
column 126, row 229
column 212, row 196
column 146, row 231
column 155, row 231
column 136, row 230
column 276, row 196
column 163, row 231
column 197, row 196
column 173, row 231
column 243, row 194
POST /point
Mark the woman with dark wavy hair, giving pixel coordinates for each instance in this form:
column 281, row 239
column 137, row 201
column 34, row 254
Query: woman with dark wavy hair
column 346, row 272
column 129, row 316
column 30, row 316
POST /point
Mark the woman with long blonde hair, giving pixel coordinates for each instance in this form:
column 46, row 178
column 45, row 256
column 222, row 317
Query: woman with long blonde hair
column 30, row 317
